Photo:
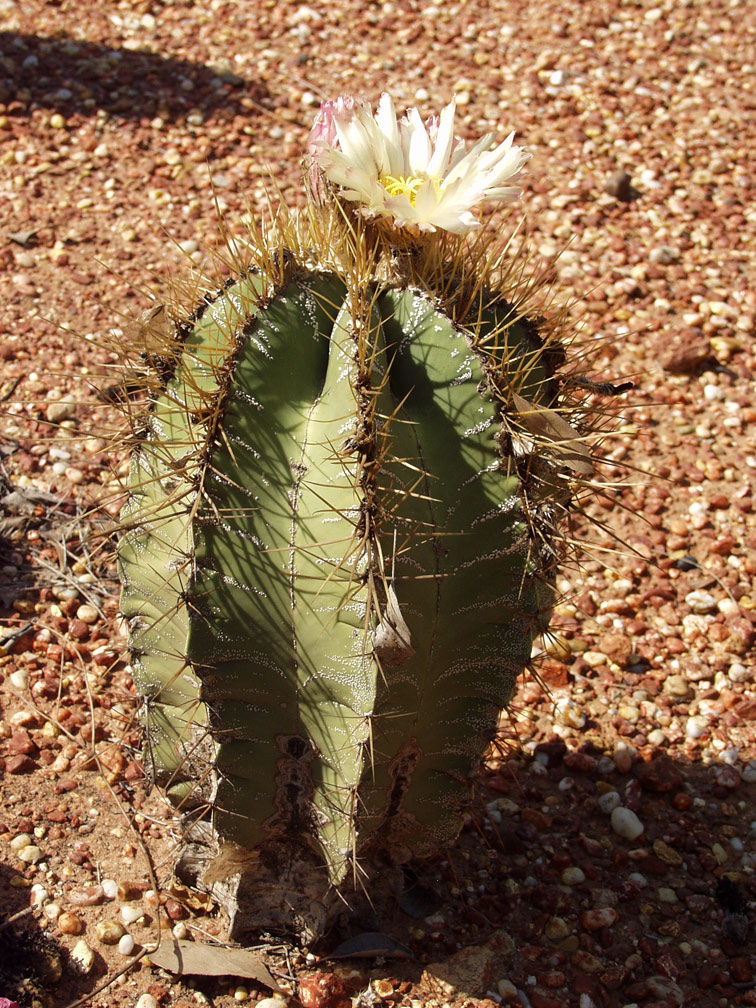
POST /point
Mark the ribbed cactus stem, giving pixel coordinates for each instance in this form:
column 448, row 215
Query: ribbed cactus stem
column 337, row 555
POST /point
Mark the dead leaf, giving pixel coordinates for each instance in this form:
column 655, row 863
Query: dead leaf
column 232, row 860
column 370, row 945
column 152, row 332
column 547, row 424
column 189, row 897
column 188, row 958
column 392, row 635
column 22, row 237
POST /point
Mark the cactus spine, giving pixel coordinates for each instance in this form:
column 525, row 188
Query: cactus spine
column 340, row 544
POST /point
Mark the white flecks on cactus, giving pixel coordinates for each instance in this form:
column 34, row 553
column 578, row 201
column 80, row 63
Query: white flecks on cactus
column 417, row 176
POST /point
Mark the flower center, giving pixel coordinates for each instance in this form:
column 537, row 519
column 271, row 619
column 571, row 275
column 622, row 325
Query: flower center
column 404, row 185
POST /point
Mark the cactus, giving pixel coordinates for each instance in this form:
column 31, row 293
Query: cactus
column 340, row 543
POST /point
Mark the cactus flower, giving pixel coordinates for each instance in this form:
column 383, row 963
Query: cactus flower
column 416, row 176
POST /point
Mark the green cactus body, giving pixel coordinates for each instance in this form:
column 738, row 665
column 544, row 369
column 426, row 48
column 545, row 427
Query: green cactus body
column 330, row 569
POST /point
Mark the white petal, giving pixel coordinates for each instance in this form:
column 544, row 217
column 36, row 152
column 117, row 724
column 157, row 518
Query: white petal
column 386, row 121
column 444, row 140
column 355, row 144
column 419, row 144
column 426, row 200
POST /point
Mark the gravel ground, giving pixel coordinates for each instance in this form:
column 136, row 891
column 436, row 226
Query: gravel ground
column 116, row 124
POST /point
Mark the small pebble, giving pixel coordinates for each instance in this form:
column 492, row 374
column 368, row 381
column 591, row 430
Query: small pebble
column 131, row 912
column 701, row 601
column 507, row 991
column 573, row 876
column 109, row 889
column 83, row 957
column 69, row 923
column 667, row 895
column 19, row 679
column 623, row 757
column 593, row 920
column 695, row 726
column 31, row 854
column 626, row 823
column 241, row 994
column 109, row 932
column 271, row 1002
column 179, row 931
column 19, row 842
column 87, row 614
column 569, row 714
column 609, row 802
column 90, row 896
column 126, row 945
column 147, row 1001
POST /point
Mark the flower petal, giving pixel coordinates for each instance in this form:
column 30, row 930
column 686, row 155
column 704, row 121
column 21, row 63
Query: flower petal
column 444, row 141
column 419, row 153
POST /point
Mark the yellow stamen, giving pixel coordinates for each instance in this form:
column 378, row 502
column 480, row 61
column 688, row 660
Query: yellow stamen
column 404, row 185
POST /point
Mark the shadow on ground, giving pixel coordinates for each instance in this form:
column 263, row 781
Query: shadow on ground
column 75, row 76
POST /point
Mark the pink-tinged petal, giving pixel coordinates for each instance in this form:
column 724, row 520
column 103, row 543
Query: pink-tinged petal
column 444, row 141
column 419, row 150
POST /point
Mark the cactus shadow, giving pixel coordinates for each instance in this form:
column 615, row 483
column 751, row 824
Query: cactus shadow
column 76, row 77
column 34, row 968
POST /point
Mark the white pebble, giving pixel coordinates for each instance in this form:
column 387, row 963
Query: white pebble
column 109, row 888
column 712, row 392
column 147, row 1001
column 179, row 931
column 572, row 876
column 126, row 945
column 271, row 1002
column 738, row 673
column 626, row 823
column 701, row 601
column 19, row 842
column 695, row 726
column 83, row 956
column 638, row 879
column 38, row 895
column 569, row 714
column 131, row 912
column 608, row 802
column 19, row 679
column 31, row 854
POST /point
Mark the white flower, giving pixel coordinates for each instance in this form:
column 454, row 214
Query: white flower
column 412, row 175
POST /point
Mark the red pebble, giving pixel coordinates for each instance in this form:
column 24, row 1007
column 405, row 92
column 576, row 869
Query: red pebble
column 19, row 764
column 324, row 990
column 20, row 743
column 580, row 762
column 538, row 1000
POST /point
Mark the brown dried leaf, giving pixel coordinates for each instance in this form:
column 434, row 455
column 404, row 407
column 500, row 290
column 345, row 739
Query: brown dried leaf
column 547, row 424
column 200, row 959
column 151, row 332
column 392, row 635
column 232, row 860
